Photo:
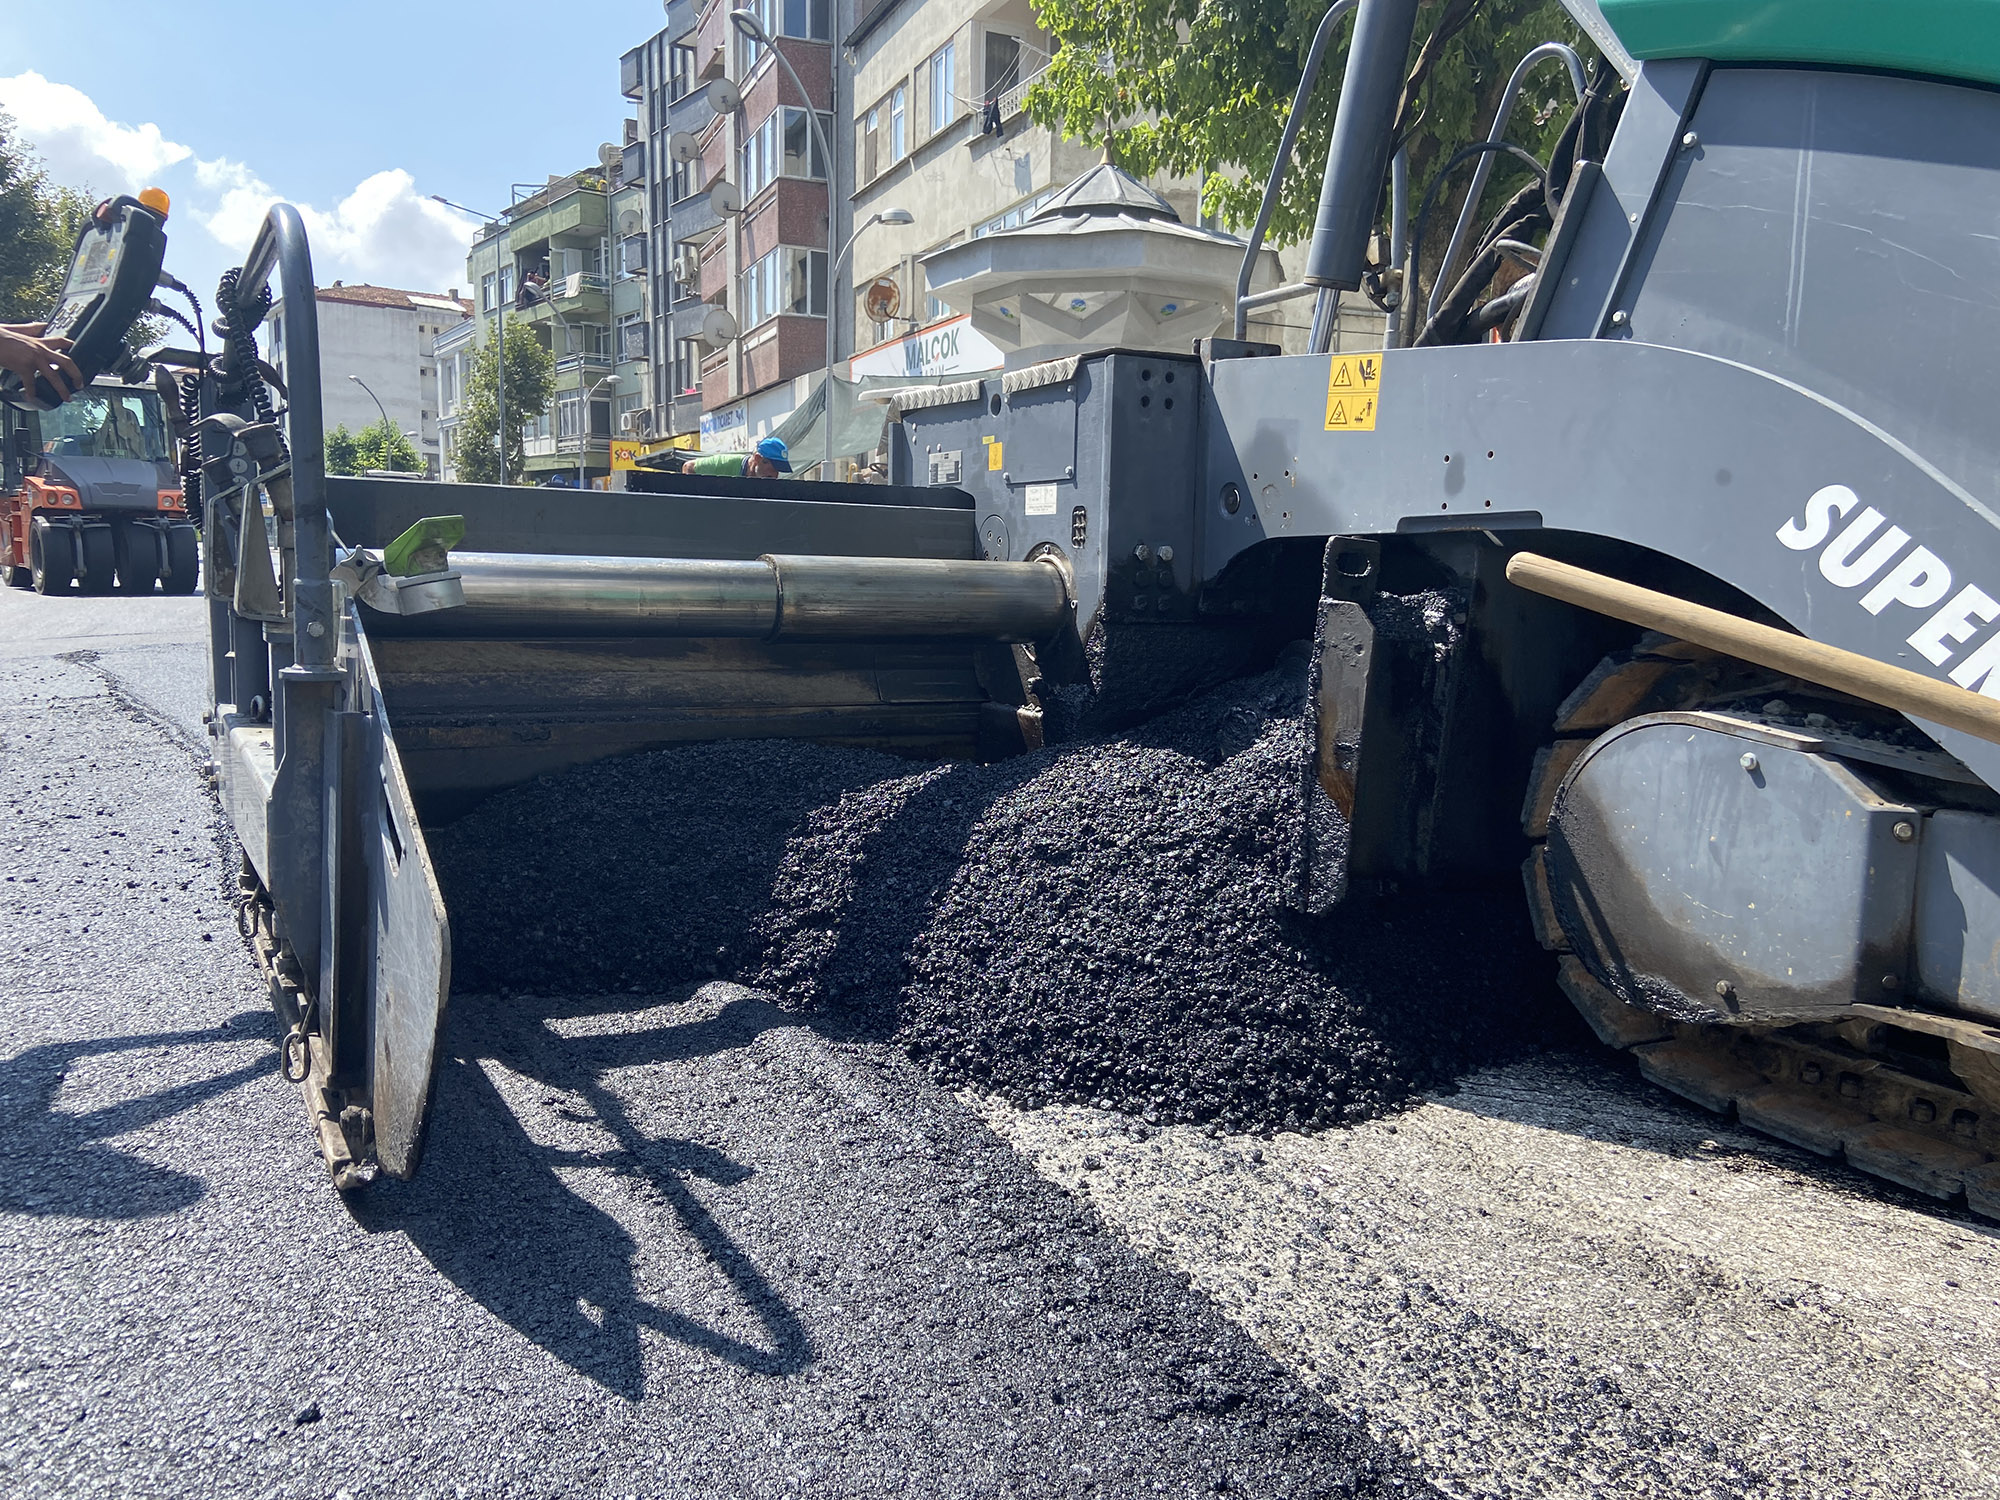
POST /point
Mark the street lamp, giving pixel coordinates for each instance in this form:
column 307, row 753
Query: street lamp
column 389, row 429
column 583, row 424
column 500, row 385
column 886, row 216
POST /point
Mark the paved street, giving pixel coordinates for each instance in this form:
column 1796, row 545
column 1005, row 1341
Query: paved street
column 688, row 1244
column 662, row 1245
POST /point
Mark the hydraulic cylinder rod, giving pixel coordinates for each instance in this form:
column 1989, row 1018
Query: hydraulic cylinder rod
column 772, row 597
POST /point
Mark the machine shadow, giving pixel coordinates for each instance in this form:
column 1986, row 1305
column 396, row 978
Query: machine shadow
column 491, row 1208
column 54, row 1163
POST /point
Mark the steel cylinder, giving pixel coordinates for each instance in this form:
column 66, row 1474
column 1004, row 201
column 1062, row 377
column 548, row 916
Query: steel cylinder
column 829, row 597
column 771, row 597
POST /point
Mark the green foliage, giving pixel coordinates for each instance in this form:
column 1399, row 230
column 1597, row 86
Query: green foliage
column 340, row 452
column 531, row 386
column 376, row 446
column 1200, row 88
column 35, row 237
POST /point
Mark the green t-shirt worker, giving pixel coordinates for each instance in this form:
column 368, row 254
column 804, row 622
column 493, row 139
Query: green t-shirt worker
column 768, row 460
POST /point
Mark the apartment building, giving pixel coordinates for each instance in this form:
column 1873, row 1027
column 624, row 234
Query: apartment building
column 383, row 338
column 938, row 131
column 736, row 211
column 549, row 264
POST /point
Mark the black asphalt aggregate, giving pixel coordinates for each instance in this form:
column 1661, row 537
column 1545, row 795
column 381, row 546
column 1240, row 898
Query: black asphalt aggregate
column 1103, row 922
column 665, row 1243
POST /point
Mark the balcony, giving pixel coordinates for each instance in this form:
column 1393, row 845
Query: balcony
column 566, row 208
column 633, row 170
column 570, row 364
column 691, row 112
column 694, row 219
column 579, row 293
column 631, row 79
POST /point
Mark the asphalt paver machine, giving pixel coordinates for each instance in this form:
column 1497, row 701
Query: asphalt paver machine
column 1653, row 549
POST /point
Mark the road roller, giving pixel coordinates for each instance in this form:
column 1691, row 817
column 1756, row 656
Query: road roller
column 1644, row 565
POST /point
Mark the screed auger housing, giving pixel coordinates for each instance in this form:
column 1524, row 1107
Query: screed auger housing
column 1687, row 456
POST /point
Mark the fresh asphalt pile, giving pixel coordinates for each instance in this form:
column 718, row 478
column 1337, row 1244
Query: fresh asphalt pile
column 1109, row 922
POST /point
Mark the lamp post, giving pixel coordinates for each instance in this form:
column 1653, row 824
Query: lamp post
column 389, row 429
column 886, row 216
column 583, row 424
column 499, row 385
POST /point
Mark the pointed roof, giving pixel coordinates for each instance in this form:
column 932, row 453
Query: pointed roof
column 1106, row 189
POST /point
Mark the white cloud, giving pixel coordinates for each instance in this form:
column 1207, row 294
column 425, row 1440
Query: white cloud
column 81, row 146
column 383, row 231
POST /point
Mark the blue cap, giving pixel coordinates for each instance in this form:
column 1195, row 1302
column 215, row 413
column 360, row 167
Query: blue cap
column 775, row 450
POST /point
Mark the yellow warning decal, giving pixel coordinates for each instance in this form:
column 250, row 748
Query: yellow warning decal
column 994, row 449
column 1352, row 385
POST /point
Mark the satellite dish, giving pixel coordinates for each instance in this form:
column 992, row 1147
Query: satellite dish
column 608, row 156
column 883, row 299
column 725, row 200
column 682, row 146
column 719, row 327
column 631, row 222
column 723, row 96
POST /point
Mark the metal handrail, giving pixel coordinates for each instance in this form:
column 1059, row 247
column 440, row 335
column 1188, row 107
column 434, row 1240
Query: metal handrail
column 281, row 246
column 1484, row 171
column 1294, row 122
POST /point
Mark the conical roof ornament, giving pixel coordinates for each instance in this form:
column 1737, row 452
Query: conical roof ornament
column 1106, row 189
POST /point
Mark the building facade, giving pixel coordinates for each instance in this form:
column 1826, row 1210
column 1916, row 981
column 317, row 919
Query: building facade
column 386, row 340
column 552, row 265
column 737, row 210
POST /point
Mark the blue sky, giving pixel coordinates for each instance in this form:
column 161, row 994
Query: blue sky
column 355, row 112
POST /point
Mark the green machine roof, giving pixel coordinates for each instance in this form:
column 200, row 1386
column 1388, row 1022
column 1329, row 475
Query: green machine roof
column 1950, row 38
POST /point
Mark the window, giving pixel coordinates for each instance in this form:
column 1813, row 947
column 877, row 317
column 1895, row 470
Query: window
column 885, row 136
column 487, row 285
column 680, row 75
column 569, row 409
column 1016, row 216
column 940, row 73
column 684, row 179
column 1003, row 64
column 808, row 20
column 783, row 146
column 632, row 336
column 788, row 280
column 686, row 372
column 506, row 285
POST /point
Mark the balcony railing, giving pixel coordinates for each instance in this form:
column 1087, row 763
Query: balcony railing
column 569, row 362
column 1010, row 102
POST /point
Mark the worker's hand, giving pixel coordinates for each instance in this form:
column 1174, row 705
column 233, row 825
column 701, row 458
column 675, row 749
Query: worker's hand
column 27, row 354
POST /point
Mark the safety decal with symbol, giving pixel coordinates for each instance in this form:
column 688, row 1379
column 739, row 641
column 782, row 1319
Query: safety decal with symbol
column 1352, row 385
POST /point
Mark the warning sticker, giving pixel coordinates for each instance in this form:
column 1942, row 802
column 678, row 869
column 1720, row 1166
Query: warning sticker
column 994, row 449
column 1351, row 388
column 1041, row 500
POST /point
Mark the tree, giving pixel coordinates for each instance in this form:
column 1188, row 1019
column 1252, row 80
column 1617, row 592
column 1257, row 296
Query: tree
column 341, row 457
column 1201, row 88
column 531, row 386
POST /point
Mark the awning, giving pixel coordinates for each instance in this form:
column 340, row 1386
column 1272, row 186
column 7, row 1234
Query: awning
column 858, row 421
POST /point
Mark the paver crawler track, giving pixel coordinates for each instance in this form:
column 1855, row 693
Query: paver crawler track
column 1908, row 1095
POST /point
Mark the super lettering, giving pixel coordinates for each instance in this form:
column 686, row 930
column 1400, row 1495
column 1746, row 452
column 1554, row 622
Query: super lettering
column 1857, row 548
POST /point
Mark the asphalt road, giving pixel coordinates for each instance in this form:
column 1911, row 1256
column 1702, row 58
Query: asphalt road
column 687, row 1244
column 674, row 1244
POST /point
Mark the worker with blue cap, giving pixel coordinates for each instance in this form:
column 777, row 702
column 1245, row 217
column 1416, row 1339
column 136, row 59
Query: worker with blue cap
column 767, row 460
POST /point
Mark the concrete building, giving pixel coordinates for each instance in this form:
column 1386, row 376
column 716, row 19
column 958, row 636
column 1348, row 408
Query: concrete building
column 736, row 214
column 547, row 264
column 388, row 339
